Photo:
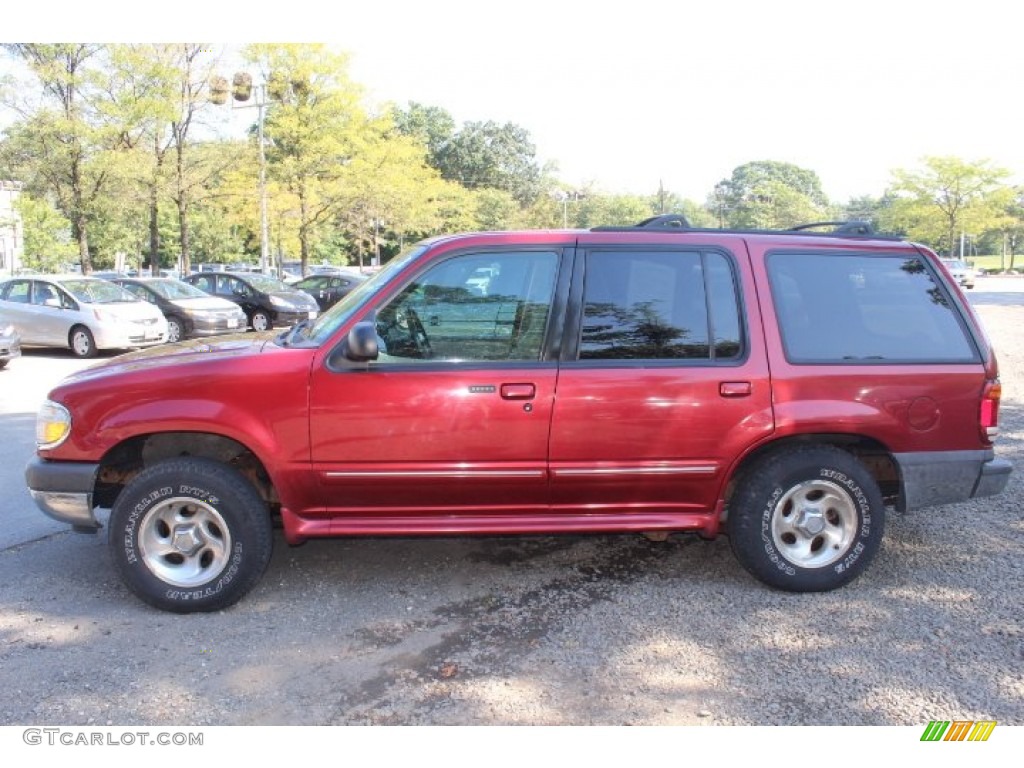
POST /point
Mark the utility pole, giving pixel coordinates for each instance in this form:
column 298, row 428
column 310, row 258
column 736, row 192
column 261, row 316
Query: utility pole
column 243, row 91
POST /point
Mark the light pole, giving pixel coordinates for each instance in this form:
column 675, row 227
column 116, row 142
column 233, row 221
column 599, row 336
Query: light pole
column 243, row 91
column 564, row 197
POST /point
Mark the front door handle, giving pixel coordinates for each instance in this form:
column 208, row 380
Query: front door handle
column 518, row 391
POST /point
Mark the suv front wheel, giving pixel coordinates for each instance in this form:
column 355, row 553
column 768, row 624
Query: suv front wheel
column 806, row 520
column 190, row 534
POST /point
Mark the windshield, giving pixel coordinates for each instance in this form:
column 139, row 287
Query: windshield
column 316, row 282
column 339, row 314
column 97, row 292
column 175, row 289
column 267, row 284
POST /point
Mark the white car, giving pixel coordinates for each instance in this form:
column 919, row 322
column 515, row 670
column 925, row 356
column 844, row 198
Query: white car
column 963, row 274
column 85, row 314
column 10, row 344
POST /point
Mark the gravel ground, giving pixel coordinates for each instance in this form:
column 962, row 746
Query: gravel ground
column 542, row 630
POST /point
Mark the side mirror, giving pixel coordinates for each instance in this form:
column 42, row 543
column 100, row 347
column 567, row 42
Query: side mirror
column 52, row 303
column 362, row 343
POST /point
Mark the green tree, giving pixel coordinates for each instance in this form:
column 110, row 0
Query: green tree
column 769, row 195
column 55, row 147
column 390, row 192
column 314, row 123
column 47, row 232
column 488, row 155
column 433, row 126
column 948, row 197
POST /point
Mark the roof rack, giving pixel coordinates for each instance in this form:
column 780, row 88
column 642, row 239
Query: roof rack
column 852, row 227
column 679, row 223
column 673, row 220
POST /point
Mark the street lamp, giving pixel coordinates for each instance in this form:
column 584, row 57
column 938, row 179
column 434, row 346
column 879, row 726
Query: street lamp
column 244, row 91
column 564, row 197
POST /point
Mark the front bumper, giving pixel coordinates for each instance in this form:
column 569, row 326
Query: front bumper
column 10, row 349
column 931, row 478
column 64, row 490
column 208, row 326
column 131, row 336
column 291, row 317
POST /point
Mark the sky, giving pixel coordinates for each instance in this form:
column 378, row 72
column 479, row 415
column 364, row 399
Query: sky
column 624, row 96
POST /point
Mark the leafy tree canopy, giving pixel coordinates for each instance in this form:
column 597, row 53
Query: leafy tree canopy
column 769, row 194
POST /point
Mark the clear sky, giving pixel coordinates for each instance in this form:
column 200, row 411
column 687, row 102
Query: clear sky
column 622, row 95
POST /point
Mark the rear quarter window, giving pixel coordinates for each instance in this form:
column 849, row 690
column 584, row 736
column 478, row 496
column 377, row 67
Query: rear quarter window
column 859, row 308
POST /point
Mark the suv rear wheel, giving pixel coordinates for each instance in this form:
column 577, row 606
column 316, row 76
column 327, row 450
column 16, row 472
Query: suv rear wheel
column 806, row 520
column 190, row 534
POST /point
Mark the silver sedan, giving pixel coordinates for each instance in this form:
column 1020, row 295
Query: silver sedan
column 10, row 344
column 84, row 314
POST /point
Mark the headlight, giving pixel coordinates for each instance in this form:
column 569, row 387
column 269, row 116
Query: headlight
column 53, row 425
column 6, row 330
column 279, row 302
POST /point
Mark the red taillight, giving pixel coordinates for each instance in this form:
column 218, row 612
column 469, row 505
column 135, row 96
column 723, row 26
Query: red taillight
column 989, row 420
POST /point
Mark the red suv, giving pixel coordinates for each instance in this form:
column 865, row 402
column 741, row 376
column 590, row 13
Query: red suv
column 784, row 388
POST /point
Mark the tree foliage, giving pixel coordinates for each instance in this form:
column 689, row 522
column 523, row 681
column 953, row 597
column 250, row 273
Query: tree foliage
column 122, row 150
column 948, row 196
column 486, row 155
column 768, row 194
column 48, row 246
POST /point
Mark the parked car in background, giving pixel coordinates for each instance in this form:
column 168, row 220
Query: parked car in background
column 266, row 301
column 85, row 314
column 10, row 344
column 963, row 274
column 189, row 311
column 327, row 289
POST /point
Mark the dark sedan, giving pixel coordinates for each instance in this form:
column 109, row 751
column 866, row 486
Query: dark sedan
column 329, row 289
column 189, row 312
column 266, row 301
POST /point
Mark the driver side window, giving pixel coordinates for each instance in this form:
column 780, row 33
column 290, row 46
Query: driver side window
column 474, row 307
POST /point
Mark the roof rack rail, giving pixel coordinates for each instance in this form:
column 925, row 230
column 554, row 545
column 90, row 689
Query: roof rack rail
column 852, row 227
column 672, row 220
column 678, row 223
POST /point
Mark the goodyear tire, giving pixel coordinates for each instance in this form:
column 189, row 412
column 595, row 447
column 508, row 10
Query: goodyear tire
column 190, row 534
column 806, row 520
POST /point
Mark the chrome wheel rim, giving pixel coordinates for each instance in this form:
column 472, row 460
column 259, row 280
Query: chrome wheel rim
column 260, row 322
column 814, row 524
column 173, row 332
column 184, row 542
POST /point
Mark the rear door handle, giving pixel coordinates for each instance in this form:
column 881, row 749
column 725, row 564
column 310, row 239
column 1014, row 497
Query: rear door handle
column 735, row 389
column 518, row 391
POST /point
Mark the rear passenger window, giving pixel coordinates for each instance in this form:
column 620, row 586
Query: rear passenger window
column 17, row 292
column 849, row 308
column 659, row 305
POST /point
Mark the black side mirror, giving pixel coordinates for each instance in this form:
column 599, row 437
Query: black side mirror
column 362, row 343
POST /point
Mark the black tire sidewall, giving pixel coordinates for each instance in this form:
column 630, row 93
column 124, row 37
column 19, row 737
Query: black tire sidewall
column 210, row 482
column 266, row 317
column 750, row 519
column 179, row 324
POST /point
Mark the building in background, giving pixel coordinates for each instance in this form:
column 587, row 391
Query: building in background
column 11, row 231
